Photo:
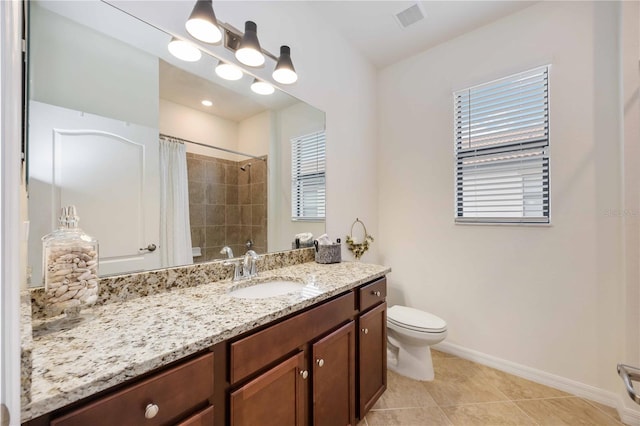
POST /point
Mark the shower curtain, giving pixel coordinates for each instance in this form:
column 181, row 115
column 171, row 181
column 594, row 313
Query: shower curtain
column 175, row 231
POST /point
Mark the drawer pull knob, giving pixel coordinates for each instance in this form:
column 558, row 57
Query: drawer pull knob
column 304, row 374
column 151, row 411
column 320, row 362
column 376, row 293
column 365, row 330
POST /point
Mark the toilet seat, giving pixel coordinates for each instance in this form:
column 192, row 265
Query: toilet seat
column 415, row 320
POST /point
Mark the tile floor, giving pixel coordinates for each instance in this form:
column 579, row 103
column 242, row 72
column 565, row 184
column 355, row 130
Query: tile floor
column 466, row 393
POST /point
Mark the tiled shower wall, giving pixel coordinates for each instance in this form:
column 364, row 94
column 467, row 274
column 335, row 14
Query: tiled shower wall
column 227, row 206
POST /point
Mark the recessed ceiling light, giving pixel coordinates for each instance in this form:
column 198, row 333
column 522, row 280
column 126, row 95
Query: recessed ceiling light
column 207, row 103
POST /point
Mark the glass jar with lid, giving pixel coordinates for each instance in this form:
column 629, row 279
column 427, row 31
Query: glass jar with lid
column 70, row 265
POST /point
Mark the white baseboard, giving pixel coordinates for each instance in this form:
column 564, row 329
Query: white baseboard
column 627, row 415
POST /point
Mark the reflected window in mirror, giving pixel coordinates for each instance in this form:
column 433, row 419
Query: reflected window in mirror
column 308, row 177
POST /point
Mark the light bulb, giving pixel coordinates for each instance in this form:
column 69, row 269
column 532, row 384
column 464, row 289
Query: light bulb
column 229, row 71
column 202, row 23
column 262, row 87
column 184, row 50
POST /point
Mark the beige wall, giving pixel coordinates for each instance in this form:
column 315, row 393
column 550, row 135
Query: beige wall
column 187, row 123
column 546, row 297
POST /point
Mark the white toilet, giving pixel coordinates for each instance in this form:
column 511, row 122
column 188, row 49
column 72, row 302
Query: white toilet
column 410, row 333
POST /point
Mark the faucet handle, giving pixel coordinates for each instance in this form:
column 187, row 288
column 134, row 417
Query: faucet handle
column 237, row 271
column 249, row 264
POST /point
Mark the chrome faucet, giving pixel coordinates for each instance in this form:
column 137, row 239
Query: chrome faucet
column 244, row 268
column 227, row 250
column 249, row 267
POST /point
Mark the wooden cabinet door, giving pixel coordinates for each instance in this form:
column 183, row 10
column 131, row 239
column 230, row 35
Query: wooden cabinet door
column 372, row 345
column 275, row 398
column 202, row 418
column 334, row 378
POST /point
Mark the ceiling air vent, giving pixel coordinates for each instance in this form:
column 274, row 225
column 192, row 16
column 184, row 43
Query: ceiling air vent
column 410, row 15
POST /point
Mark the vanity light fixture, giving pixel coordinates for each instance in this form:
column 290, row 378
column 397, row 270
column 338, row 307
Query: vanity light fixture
column 206, row 103
column 262, row 87
column 249, row 51
column 202, row 23
column 184, row 50
column 284, row 72
column 229, row 71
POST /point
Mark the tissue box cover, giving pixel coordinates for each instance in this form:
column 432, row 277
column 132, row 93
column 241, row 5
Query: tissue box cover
column 329, row 253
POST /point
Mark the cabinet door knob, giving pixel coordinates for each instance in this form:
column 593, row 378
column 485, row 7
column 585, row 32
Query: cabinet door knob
column 320, row 362
column 365, row 330
column 376, row 293
column 304, row 374
column 151, row 411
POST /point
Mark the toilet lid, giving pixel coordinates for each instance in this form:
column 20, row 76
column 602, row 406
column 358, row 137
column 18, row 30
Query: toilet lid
column 415, row 319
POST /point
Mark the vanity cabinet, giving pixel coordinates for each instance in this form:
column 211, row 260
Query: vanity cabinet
column 325, row 365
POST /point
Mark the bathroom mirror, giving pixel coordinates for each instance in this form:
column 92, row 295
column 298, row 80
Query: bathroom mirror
column 104, row 94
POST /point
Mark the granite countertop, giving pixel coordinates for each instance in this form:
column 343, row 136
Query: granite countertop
column 127, row 339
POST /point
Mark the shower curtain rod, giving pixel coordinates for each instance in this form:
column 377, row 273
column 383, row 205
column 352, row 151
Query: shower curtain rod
column 162, row 135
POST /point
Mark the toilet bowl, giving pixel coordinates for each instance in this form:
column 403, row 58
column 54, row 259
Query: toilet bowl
column 410, row 333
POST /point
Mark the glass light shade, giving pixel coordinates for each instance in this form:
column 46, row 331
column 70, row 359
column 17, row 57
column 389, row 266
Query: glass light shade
column 284, row 72
column 202, row 23
column 262, row 88
column 249, row 51
column 184, row 50
column 229, row 71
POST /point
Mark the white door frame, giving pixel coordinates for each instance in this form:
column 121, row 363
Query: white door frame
column 10, row 183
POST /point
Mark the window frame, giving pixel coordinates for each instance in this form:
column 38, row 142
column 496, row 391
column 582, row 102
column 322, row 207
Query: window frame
column 543, row 145
column 297, row 202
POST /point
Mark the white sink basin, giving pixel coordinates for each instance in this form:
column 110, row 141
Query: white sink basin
column 267, row 289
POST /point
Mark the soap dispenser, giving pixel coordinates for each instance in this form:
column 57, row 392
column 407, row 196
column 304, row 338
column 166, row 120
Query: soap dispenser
column 70, row 265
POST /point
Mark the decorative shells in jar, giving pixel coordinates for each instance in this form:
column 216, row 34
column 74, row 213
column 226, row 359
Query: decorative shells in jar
column 70, row 267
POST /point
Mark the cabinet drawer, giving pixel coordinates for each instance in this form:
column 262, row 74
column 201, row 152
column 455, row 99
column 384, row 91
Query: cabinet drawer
column 250, row 354
column 372, row 294
column 176, row 392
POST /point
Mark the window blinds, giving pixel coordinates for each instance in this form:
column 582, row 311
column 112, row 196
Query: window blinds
column 308, row 177
column 501, row 144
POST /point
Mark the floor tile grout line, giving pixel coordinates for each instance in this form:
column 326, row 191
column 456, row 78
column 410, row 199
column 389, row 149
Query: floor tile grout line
column 602, row 411
column 445, row 415
column 525, row 413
